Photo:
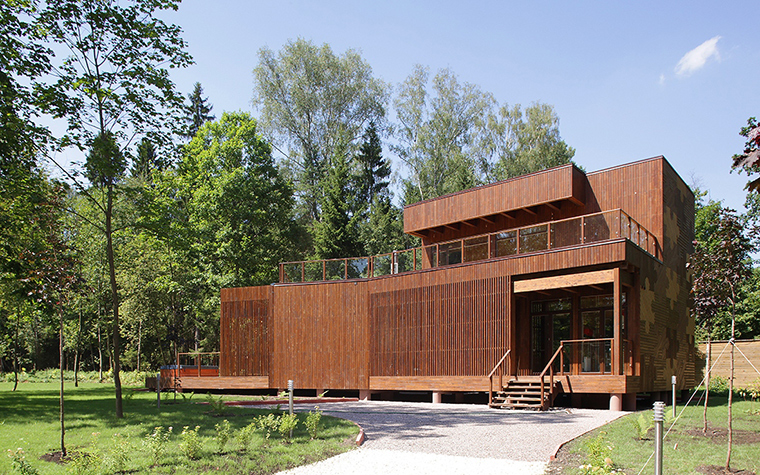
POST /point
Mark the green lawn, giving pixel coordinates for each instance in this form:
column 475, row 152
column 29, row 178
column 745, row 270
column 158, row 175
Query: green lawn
column 685, row 448
column 29, row 420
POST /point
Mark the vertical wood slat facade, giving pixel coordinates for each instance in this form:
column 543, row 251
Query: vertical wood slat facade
column 457, row 321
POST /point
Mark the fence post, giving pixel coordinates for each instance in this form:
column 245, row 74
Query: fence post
column 290, row 402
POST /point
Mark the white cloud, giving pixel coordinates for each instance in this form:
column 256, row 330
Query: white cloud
column 662, row 79
column 695, row 59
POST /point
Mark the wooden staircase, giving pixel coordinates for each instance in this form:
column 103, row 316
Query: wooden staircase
column 524, row 393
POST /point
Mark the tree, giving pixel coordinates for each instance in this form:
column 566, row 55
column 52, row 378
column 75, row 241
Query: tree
column 112, row 86
column 524, row 145
column 749, row 161
column 311, row 101
column 719, row 266
column 198, row 112
column 146, row 161
column 336, row 234
column 440, row 136
column 374, row 171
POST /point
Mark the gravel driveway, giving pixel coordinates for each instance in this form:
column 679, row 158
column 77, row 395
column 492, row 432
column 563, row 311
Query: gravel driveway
column 425, row 438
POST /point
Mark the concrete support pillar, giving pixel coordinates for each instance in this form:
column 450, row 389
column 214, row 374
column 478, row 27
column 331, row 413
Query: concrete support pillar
column 437, row 397
column 616, row 402
column 365, row 395
column 629, row 402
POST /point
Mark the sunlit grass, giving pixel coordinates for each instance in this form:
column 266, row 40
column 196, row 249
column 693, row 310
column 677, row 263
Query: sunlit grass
column 29, row 420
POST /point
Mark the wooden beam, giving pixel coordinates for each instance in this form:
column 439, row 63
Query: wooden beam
column 529, row 211
column 487, row 219
column 552, row 206
column 508, row 214
column 453, row 226
column 467, row 223
column 563, row 281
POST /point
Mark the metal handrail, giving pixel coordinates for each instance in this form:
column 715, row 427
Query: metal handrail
column 197, row 355
column 632, row 231
column 490, row 376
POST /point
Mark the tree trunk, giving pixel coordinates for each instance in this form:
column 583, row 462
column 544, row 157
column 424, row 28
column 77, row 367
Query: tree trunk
column 15, row 352
column 731, row 385
column 139, row 342
column 100, row 351
column 60, row 362
column 78, row 351
column 114, row 302
column 707, row 381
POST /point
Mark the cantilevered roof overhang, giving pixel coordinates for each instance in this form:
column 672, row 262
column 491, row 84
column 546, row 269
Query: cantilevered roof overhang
column 548, row 188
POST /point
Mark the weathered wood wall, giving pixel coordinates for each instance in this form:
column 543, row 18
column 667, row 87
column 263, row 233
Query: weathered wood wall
column 744, row 373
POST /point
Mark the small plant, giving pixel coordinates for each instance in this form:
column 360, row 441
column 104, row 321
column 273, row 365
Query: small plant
column 217, row 404
column 287, row 423
column 641, row 426
column 81, row 463
column 267, row 424
column 191, row 443
column 223, row 434
column 156, row 443
column 187, row 397
column 751, row 391
column 19, row 463
column 119, row 454
column 719, row 385
column 321, row 395
column 312, row 422
column 598, row 458
column 244, row 435
column 282, row 394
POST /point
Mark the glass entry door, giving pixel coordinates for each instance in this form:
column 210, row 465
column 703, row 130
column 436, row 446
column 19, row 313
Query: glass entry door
column 597, row 317
column 551, row 322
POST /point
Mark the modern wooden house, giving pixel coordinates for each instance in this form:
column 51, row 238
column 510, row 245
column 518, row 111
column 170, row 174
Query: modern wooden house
column 556, row 282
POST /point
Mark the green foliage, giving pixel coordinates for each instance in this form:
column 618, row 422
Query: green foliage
column 156, row 443
column 216, row 404
column 598, row 456
column 19, row 463
column 312, row 422
column 286, row 424
column 267, row 424
column 197, row 112
column 641, row 425
column 190, row 443
column 119, row 454
column 83, row 463
column 719, row 385
column 244, row 435
column 311, row 101
column 751, row 391
column 223, row 434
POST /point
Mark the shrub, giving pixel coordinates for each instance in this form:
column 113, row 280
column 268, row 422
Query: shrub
column 641, row 426
column 719, row 385
column 598, row 458
column 267, row 424
column 119, row 454
column 223, row 434
column 312, row 422
column 191, row 443
column 216, row 404
column 156, row 443
column 81, row 463
column 244, row 435
column 19, row 463
column 287, row 423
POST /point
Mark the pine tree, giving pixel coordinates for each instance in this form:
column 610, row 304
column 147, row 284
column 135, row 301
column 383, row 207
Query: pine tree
column 372, row 178
column 337, row 232
column 198, row 112
column 146, row 161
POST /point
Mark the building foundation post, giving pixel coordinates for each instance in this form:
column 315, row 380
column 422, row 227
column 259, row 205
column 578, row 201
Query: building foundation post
column 437, row 397
column 616, row 402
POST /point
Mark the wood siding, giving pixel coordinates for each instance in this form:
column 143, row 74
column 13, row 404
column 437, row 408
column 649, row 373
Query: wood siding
column 559, row 184
column 244, row 338
column 744, row 373
column 444, row 328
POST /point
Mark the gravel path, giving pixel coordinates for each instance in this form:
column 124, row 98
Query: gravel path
column 453, row 438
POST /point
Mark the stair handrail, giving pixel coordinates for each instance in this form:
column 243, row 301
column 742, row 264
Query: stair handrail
column 550, row 368
column 501, row 373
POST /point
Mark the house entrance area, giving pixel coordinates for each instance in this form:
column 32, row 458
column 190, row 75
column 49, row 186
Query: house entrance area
column 583, row 325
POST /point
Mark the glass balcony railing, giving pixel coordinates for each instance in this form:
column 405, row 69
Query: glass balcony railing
column 569, row 232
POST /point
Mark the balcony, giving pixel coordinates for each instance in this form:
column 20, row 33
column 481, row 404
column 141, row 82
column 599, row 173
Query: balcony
column 587, row 229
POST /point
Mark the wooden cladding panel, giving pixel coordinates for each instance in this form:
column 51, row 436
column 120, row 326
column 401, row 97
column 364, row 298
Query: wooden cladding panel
column 548, row 186
column 450, row 329
column 244, row 341
column 636, row 188
column 744, row 373
column 429, row 383
column 320, row 336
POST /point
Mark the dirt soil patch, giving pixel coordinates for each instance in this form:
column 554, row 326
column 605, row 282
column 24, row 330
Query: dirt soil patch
column 720, row 436
column 718, row 470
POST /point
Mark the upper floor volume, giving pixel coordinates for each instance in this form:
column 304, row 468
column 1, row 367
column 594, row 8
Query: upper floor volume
column 553, row 209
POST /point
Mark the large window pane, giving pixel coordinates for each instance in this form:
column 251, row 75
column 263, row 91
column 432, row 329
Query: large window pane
column 533, row 239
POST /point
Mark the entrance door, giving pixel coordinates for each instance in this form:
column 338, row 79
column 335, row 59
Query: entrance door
column 598, row 323
column 551, row 322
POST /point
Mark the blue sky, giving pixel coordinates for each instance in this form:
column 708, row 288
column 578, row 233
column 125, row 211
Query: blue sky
column 629, row 80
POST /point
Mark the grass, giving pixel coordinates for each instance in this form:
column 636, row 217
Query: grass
column 684, row 447
column 29, row 420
